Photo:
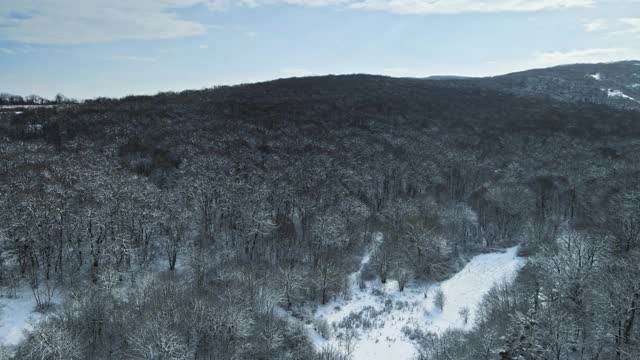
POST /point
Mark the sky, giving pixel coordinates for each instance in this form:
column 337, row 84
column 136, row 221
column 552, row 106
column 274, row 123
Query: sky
column 91, row 48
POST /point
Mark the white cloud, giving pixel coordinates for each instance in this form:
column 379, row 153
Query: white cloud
column 426, row 7
column 419, row 7
column 203, row 46
column 15, row 50
column 585, row 56
column 89, row 21
column 224, row 4
column 133, row 58
column 315, row 3
column 596, row 25
column 632, row 24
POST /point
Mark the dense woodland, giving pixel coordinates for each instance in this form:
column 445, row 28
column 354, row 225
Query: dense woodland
column 193, row 225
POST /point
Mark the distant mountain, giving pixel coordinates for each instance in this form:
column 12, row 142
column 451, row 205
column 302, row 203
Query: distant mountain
column 614, row 84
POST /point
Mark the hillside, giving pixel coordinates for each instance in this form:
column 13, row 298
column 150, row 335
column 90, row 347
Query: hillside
column 201, row 222
column 616, row 84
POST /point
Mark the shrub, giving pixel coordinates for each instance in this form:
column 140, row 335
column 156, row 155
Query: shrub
column 331, row 353
column 323, row 328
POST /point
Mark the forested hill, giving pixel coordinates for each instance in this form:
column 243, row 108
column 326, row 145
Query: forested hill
column 265, row 194
column 616, row 84
column 349, row 100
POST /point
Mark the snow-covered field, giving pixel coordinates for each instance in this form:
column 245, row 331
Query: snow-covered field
column 16, row 316
column 380, row 312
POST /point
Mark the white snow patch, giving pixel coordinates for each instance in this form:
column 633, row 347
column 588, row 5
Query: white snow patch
column 596, row 76
column 389, row 311
column 26, row 106
column 633, row 86
column 619, row 94
column 17, row 314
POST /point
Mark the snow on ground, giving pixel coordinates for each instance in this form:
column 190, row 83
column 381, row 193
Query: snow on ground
column 26, row 106
column 16, row 316
column 618, row 93
column 633, row 86
column 380, row 312
column 468, row 287
column 596, row 76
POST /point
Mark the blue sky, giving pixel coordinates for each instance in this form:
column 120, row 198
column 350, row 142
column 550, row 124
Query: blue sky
column 90, row 48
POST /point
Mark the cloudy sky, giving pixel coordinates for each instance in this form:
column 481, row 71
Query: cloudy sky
column 90, row 48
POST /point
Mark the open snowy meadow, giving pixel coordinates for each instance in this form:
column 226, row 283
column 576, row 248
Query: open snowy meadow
column 377, row 322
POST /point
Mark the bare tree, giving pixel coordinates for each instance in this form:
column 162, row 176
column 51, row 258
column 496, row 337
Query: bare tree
column 404, row 276
column 464, row 314
column 291, row 282
column 381, row 262
column 326, row 278
column 439, row 299
column 50, row 340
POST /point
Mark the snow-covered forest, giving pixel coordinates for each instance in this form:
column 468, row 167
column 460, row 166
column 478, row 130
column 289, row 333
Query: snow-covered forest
column 323, row 218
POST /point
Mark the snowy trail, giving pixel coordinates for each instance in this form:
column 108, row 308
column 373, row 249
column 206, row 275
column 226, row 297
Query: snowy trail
column 379, row 319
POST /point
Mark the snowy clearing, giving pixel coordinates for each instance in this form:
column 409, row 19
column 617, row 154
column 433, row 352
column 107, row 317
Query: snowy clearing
column 16, row 315
column 596, row 76
column 379, row 313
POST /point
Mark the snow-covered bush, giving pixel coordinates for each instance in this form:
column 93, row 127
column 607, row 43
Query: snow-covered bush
column 51, row 340
column 331, row 353
column 323, row 328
